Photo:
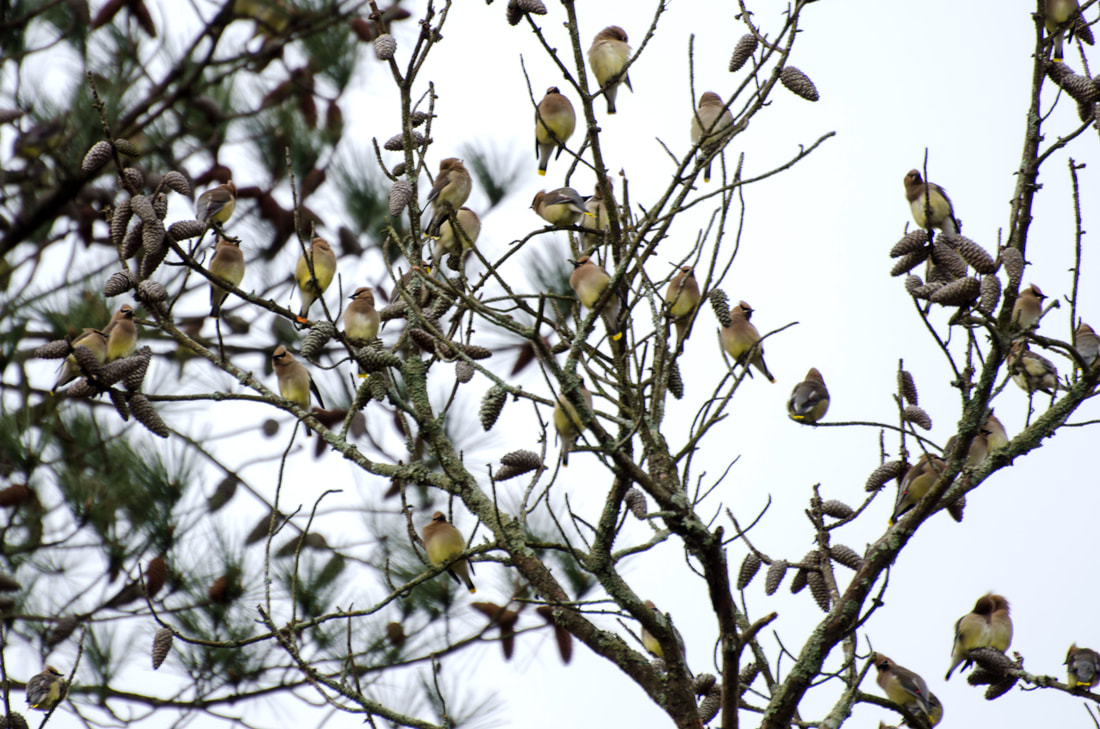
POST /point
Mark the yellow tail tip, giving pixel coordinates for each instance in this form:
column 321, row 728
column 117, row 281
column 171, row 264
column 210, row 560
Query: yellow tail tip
column 542, row 172
column 473, row 590
column 706, row 179
column 591, row 215
column 616, row 337
column 363, row 376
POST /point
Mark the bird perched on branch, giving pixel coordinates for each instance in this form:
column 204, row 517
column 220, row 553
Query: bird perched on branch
column 448, row 194
column 903, row 686
column 608, row 57
column 227, row 263
column 711, row 124
column 443, row 542
column 741, row 337
column 930, row 205
column 45, row 690
column 809, row 400
column 555, row 121
column 312, row 284
column 215, row 206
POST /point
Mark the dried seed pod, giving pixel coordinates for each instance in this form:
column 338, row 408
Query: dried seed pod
column 152, row 292
column 846, row 556
column 162, row 643
column 798, row 582
column 982, row 677
column 400, row 195
column 939, row 274
column 917, row 416
column 144, row 413
column 749, row 567
column 464, row 371
column 264, row 527
column 61, row 630
column 474, row 351
column 798, row 83
column 224, row 491
column 137, row 375
column 316, row 339
column 909, row 261
column 910, row 243
column 837, row 509
column 636, row 502
column 156, row 573
column 134, row 176
column 913, row 284
column 57, row 349
column 396, row 143
column 1087, row 112
column 708, row 707
column 120, row 218
column 926, row 291
column 532, row 7
column 1000, row 689
column 152, row 238
column 127, row 147
column 742, row 52
column 184, row 229
column 374, row 359
column 142, row 206
column 818, row 589
column 513, row 13
column 956, row 508
column 131, row 242
column 384, row 47
column 97, row 156
column 675, row 381
column 721, row 305
column 992, row 659
column 989, row 295
column 399, row 169
column 957, row 293
column 945, row 257
column 1080, row 88
column 118, row 399
column 151, row 261
column 975, row 255
column 774, row 577
column 160, row 205
column 119, row 283
column 907, row 387
column 748, row 674
column 885, row 472
column 176, row 182
column 81, row 388
column 419, row 117
column 87, row 360
column 395, row 634
column 491, row 405
column 112, row 372
column 703, row 683
column 14, row 720
column 1013, row 261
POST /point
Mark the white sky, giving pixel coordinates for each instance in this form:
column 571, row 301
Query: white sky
column 814, row 250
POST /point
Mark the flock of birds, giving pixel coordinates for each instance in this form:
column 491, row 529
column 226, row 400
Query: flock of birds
column 455, row 229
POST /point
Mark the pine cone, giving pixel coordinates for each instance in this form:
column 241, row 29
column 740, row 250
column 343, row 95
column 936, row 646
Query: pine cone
column 798, row 83
column 474, row 351
column 162, row 643
column 400, row 195
column 957, row 293
column 989, row 295
column 184, row 229
column 749, row 567
column 885, row 472
column 118, row 399
column 846, row 556
column 703, row 683
column 152, row 292
column 419, row 117
column 992, row 660
column 144, row 413
column 57, row 349
column 384, row 47
column 518, row 463
column 464, row 371
column 818, row 589
column 224, row 491
column 87, row 360
column 120, row 218
column 926, row 291
column 160, row 205
column 316, row 339
column 1013, row 261
column 61, row 630
column 1080, row 88
column 913, row 284
column 81, row 388
column 97, row 156
column 636, row 502
column 945, row 257
column 774, row 577
column 151, row 261
column 156, row 572
column 909, row 261
column 837, row 509
column 910, row 243
column 708, row 707
column 113, row 372
column 742, row 52
column 176, row 182
column 137, row 375
column 152, row 239
column 134, row 176
column 514, row 14
column 917, row 416
column 375, row 359
column 975, row 255
column 126, row 147
column 748, row 674
column 131, row 242
column 675, row 381
column 14, row 720
column 491, row 405
column 956, row 508
column 1000, row 689
column 396, row 143
column 119, row 283
column 142, row 206
column 798, row 582
column 721, row 305
column 907, row 387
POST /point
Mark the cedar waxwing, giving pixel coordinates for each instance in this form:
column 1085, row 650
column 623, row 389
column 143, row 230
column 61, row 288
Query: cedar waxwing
column 555, row 121
column 295, row 382
column 563, row 206
column 712, row 123
column 121, row 334
column 979, row 448
column 902, row 686
column 741, row 336
column 1083, row 667
column 1028, row 307
column 1031, row 371
column 997, row 436
column 45, row 690
column 1086, row 343
column 682, row 299
column 809, row 400
column 589, row 281
column 1001, row 637
column 650, row 643
column 935, row 714
column 215, row 206
column 448, row 242
column 443, row 542
column 915, row 484
column 312, row 285
column 973, row 630
column 1059, row 12
column 70, row 369
column 607, row 58
column 450, row 191
column 921, row 194
column 568, row 422
column 227, row 263
column 597, row 209
column 361, row 319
